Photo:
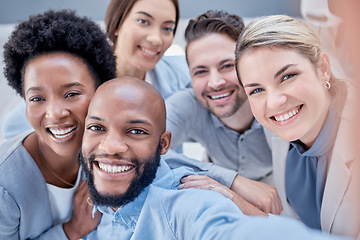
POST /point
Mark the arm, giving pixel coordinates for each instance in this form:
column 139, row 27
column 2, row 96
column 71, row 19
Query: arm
column 261, row 195
column 206, row 215
column 179, row 116
column 245, row 193
column 208, row 183
column 9, row 215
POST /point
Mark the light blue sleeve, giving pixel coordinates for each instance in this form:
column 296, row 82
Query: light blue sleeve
column 220, row 174
column 15, row 122
column 181, row 112
column 204, row 214
column 10, row 221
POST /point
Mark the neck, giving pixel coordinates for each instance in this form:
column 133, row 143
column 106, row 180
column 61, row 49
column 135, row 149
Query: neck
column 57, row 170
column 241, row 120
column 124, row 68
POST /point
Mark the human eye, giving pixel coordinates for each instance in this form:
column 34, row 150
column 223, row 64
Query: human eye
column 169, row 29
column 71, row 94
column 138, row 132
column 288, row 76
column 143, row 21
column 255, row 91
column 228, row 65
column 95, row 128
column 199, row 72
column 36, row 99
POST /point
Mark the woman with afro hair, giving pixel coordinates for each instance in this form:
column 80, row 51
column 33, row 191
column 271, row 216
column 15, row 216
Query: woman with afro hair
column 55, row 61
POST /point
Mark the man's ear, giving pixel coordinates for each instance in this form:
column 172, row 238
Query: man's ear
column 325, row 69
column 165, row 139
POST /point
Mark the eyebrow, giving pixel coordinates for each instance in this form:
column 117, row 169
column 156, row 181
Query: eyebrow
column 283, row 69
column 68, row 85
column 95, row 118
column 277, row 74
column 148, row 15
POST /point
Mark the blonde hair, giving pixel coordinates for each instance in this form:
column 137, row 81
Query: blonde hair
column 285, row 32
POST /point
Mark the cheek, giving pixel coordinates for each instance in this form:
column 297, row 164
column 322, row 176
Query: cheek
column 168, row 41
column 199, row 86
column 257, row 109
column 34, row 115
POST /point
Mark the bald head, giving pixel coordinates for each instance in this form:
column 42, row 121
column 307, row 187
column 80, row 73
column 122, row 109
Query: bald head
column 133, row 93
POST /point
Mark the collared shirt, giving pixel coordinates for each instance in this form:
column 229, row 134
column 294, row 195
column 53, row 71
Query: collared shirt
column 161, row 212
column 246, row 153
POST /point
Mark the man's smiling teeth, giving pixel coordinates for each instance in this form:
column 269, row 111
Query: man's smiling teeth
column 149, row 52
column 287, row 115
column 220, row 96
column 63, row 132
column 114, row 168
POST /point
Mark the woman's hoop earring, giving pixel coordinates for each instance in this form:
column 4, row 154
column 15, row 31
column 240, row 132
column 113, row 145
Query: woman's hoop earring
column 327, row 85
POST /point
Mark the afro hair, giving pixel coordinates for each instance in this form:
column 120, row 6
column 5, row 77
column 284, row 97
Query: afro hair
column 58, row 31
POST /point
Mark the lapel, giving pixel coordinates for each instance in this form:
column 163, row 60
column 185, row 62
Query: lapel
column 337, row 182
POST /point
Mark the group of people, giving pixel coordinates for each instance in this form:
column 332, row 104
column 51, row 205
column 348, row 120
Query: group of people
column 91, row 153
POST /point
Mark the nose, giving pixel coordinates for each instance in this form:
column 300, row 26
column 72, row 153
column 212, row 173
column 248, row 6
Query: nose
column 216, row 80
column 55, row 110
column 275, row 99
column 154, row 37
column 113, row 143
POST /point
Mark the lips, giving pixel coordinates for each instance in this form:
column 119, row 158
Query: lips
column 288, row 115
column 149, row 52
column 62, row 134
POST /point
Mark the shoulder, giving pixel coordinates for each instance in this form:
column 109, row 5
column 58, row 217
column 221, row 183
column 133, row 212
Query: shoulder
column 10, row 148
column 19, row 173
column 173, row 61
column 182, row 97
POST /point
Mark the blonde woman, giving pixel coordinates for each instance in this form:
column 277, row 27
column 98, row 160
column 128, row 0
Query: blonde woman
column 293, row 93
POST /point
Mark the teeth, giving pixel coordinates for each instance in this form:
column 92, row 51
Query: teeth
column 148, row 52
column 114, row 168
column 62, row 133
column 220, row 96
column 287, row 115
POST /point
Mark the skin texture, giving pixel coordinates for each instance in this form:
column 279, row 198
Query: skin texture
column 144, row 36
column 58, row 88
column 213, row 73
column 129, row 127
column 287, row 83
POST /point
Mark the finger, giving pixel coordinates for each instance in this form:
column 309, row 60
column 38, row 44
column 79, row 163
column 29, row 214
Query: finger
column 193, row 184
column 278, row 206
column 194, row 177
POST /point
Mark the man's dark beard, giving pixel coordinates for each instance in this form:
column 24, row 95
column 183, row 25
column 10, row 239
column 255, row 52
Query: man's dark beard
column 136, row 186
